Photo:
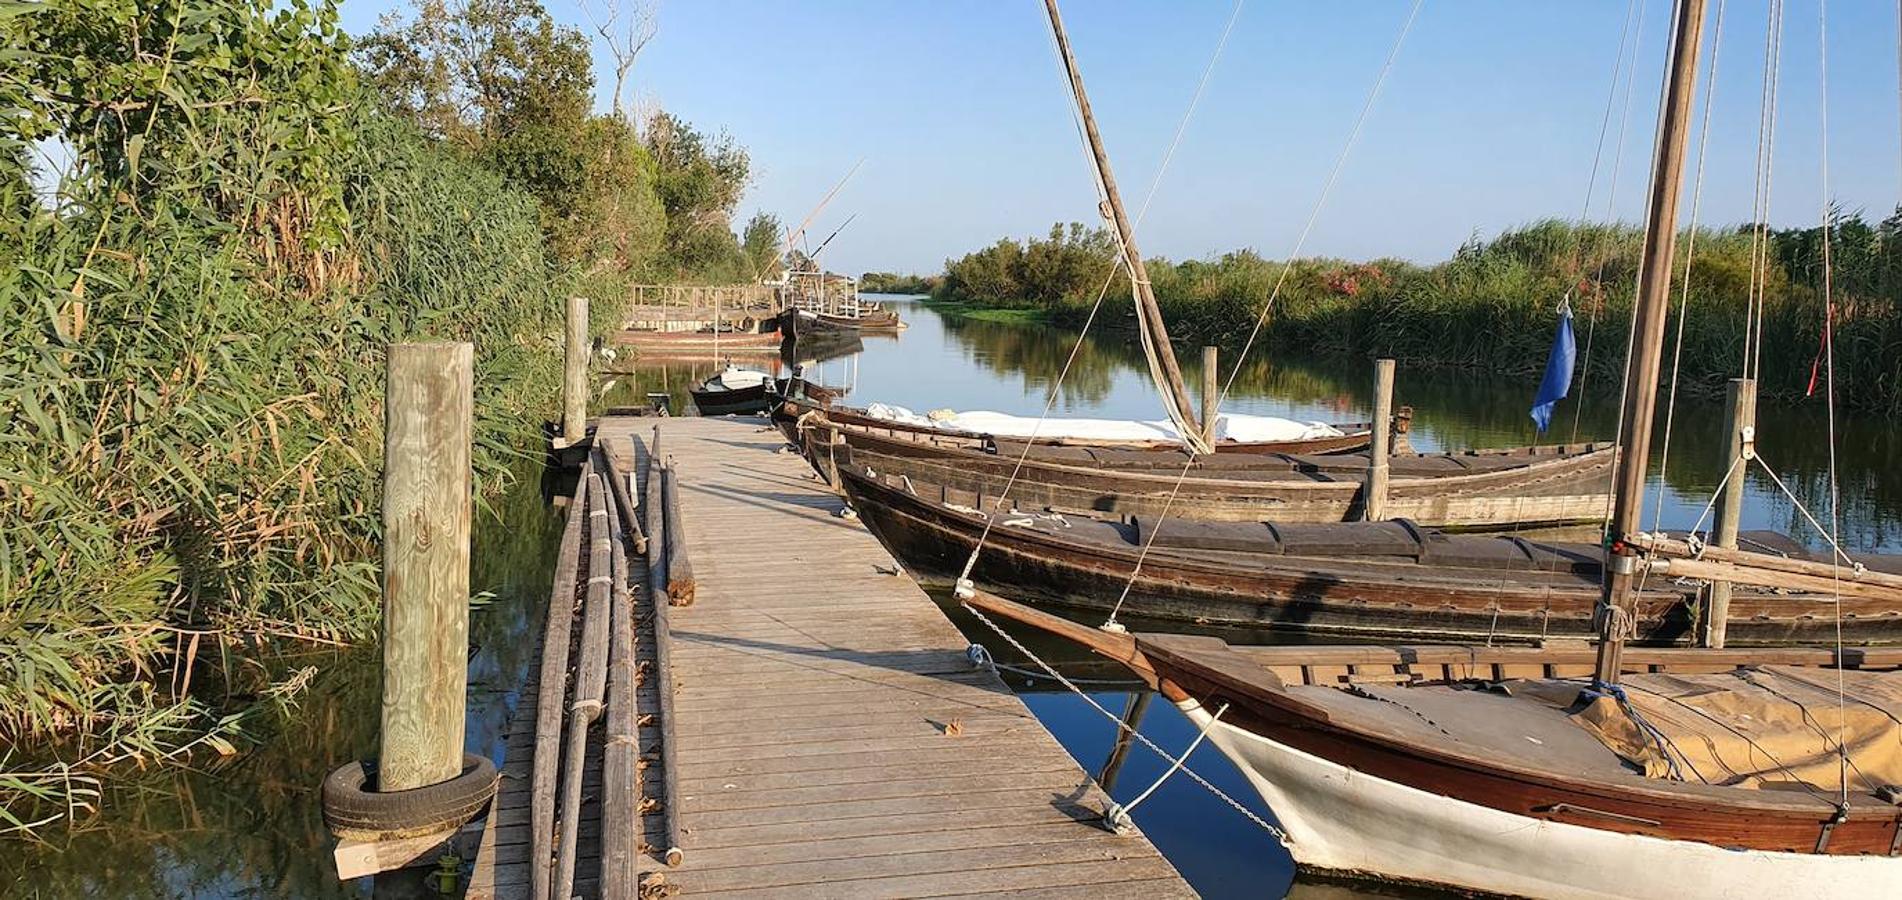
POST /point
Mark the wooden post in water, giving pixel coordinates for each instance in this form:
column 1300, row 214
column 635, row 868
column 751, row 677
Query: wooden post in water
column 1374, row 504
column 574, row 374
column 1211, row 395
column 428, row 410
column 1740, row 414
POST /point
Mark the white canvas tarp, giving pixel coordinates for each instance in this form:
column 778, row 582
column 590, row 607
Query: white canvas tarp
column 1228, row 427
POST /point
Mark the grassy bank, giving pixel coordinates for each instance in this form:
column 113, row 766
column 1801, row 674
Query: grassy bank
column 1009, row 315
column 196, row 305
column 1492, row 306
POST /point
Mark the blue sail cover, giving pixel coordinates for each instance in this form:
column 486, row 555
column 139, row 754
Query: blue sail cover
column 1558, row 373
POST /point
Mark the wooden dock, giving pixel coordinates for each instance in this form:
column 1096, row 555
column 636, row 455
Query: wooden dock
column 831, row 737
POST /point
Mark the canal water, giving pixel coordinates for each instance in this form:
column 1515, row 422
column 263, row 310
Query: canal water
column 248, row 826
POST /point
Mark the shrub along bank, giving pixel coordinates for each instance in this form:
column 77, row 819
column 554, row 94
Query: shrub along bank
column 1493, row 305
column 213, row 226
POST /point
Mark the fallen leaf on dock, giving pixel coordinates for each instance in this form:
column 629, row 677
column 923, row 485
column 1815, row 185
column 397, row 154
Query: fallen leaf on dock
column 954, row 728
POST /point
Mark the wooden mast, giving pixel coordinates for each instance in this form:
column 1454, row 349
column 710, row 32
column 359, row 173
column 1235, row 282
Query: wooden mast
column 1148, row 314
column 1641, row 370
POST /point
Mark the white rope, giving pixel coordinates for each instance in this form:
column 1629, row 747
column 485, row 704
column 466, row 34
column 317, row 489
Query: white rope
column 1827, row 534
column 1117, row 265
column 1611, row 194
column 1270, row 827
column 1829, row 356
column 1690, row 254
column 1119, row 813
column 1760, row 208
column 1287, row 266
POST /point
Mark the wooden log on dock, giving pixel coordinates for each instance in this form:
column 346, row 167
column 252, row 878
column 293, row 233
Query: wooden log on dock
column 429, row 410
column 554, row 679
column 659, row 535
column 620, row 477
column 591, row 677
column 620, row 755
column 679, row 567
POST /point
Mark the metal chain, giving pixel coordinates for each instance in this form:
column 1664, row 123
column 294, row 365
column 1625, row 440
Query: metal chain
column 1270, row 827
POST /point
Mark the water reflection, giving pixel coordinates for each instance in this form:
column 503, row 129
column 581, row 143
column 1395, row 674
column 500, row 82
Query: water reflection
column 250, row 825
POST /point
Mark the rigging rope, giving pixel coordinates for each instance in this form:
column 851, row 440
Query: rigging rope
column 1690, row 254
column 1829, row 354
column 1271, row 828
column 1116, row 266
column 1281, row 279
column 1760, row 207
column 1611, row 194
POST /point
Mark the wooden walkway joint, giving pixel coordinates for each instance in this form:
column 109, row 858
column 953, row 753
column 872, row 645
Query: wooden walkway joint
column 830, row 736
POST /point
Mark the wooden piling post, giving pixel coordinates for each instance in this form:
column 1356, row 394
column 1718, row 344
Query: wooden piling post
column 574, row 374
column 1211, row 394
column 1740, row 413
column 1374, row 505
column 429, row 408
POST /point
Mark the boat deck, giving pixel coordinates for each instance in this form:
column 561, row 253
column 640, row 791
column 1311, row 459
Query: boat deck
column 832, row 738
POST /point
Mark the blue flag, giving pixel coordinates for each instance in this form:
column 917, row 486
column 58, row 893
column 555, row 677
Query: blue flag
column 1558, row 373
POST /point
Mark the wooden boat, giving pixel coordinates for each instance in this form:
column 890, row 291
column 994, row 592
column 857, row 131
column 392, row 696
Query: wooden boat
column 707, row 340
column 1354, row 436
column 1604, row 771
column 797, row 388
column 1379, row 579
column 1441, row 765
column 872, row 319
column 1480, row 489
column 733, row 391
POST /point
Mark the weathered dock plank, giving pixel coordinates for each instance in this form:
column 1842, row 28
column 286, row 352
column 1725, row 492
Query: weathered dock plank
column 831, row 737
column 814, row 687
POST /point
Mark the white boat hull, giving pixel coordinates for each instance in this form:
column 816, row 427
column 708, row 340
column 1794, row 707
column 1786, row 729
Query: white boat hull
column 1341, row 820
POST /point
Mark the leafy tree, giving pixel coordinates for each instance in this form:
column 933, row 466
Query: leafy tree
column 699, row 180
column 470, row 70
column 760, row 244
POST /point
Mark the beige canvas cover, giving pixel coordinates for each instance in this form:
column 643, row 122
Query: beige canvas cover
column 1770, row 727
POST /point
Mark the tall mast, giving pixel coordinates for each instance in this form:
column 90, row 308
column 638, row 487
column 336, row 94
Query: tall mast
column 1162, row 356
column 1641, row 371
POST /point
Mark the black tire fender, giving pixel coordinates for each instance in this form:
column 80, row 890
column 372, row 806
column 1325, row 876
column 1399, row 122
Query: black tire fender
column 354, row 809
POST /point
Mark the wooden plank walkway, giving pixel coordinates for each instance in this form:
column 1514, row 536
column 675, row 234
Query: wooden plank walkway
column 833, row 740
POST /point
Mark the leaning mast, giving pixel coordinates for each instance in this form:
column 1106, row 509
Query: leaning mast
column 1162, row 356
column 1641, row 370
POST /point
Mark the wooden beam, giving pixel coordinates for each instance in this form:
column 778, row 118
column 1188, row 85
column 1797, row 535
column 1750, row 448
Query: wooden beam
column 620, row 756
column 574, row 373
column 680, row 583
column 1211, row 393
column 1149, row 315
column 429, row 410
column 1654, row 290
column 1740, row 413
column 1374, row 504
column 591, row 676
column 554, row 680
column 659, row 534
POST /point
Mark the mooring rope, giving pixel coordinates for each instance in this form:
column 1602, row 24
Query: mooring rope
column 1178, row 762
column 1116, row 265
column 1287, row 266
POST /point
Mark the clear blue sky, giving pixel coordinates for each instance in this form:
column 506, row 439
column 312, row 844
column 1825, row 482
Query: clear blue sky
column 1488, row 121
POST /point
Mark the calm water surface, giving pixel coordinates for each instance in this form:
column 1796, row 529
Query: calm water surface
column 249, row 826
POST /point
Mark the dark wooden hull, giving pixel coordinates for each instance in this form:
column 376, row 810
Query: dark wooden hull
column 742, row 401
column 1327, row 592
column 1531, row 486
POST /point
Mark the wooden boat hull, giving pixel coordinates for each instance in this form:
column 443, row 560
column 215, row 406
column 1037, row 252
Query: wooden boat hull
column 695, row 341
column 740, row 401
column 1357, row 436
column 1553, row 486
column 1344, row 822
column 1341, row 596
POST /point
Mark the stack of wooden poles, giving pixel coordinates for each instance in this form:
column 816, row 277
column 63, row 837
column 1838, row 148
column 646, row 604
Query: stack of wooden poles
column 592, row 677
